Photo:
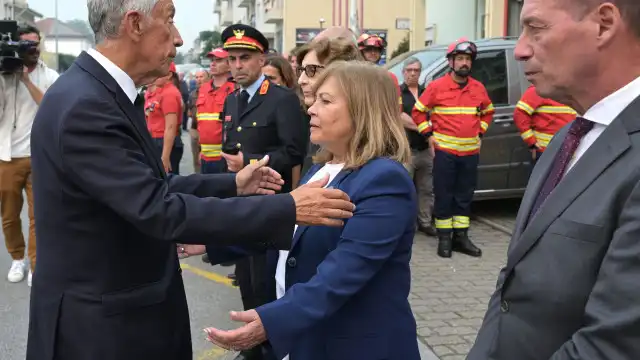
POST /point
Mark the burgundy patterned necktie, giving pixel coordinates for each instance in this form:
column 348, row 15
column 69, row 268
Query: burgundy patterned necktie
column 579, row 128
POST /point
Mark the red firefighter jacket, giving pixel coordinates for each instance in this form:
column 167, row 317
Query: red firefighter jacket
column 539, row 119
column 458, row 116
column 209, row 105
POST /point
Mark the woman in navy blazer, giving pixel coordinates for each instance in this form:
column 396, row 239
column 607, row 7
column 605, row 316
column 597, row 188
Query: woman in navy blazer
column 343, row 292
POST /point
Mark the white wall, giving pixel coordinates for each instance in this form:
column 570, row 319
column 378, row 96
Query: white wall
column 450, row 20
column 67, row 46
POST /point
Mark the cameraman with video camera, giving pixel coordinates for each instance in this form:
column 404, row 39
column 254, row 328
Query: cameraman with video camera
column 23, row 81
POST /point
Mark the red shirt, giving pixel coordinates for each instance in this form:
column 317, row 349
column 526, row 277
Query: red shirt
column 158, row 104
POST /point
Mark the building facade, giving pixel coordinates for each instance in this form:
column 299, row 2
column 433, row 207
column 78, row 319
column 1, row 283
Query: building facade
column 19, row 11
column 296, row 21
column 450, row 20
column 59, row 36
column 229, row 12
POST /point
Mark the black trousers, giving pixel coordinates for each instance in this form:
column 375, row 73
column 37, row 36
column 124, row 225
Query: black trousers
column 176, row 153
column 454, row 182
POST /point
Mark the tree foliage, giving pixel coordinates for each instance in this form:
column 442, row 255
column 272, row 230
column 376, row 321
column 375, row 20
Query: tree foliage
column 209, row 40
column 403, row 47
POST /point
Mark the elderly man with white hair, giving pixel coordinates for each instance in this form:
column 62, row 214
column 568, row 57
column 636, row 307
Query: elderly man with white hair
column 108, row 285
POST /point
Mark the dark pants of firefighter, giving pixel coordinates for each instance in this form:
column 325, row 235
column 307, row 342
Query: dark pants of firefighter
column 176, row 153
column 213, row 167
column 454, row 181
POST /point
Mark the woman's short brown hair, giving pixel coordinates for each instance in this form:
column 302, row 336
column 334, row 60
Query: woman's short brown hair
column 330, row 50
column 284, row 68
column 372, row 101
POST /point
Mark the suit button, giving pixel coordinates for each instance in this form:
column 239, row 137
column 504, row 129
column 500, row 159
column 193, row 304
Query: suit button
column 239, row 128
column 238, row 145
column 504, row 306
column 254, row 124
column 291, row 262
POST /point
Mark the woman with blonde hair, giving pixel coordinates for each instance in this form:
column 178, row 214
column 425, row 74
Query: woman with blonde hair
column 342, row 293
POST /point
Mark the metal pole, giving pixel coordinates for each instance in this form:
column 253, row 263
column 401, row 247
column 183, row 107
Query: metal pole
column 55, row 33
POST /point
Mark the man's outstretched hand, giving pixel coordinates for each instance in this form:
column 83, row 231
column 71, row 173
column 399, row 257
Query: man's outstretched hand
column 316, row 205
column 259, row 179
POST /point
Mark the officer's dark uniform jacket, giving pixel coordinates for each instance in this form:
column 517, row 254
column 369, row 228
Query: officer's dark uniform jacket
column 271, row 124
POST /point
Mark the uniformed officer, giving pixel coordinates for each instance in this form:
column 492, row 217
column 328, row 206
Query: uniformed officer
column 260, row 118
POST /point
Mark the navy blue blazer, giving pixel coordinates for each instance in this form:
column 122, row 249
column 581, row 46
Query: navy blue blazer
column 347, row 288
column 108, row 283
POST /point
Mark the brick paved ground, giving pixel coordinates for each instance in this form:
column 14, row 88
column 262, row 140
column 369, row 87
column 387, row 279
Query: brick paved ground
column 449, row 296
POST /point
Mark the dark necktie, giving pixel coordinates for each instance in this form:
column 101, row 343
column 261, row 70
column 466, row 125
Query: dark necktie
column 243, row 100
column 579, row 128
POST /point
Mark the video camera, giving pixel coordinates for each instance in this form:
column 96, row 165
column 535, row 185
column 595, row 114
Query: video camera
column 12, row 49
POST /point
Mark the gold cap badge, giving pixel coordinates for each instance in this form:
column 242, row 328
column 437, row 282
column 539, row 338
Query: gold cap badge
column 238, row 33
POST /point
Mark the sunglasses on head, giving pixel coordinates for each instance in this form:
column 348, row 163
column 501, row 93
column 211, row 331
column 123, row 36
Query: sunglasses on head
column 310, row 70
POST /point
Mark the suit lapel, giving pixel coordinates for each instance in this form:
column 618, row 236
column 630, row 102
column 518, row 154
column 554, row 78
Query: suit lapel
column 135, row 116
column 539, row 174
column 334, row 184
column 605, row 150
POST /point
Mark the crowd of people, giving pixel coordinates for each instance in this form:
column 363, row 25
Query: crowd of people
column 315, row 172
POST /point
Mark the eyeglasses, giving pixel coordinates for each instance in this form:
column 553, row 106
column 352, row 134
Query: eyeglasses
column 310, row 70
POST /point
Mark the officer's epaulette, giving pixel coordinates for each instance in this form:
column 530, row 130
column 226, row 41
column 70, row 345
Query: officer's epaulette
column 264, row 87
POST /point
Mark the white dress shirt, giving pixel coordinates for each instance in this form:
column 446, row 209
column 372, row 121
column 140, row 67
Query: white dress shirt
column 332, row 170
column 603, row 113
column 122, row 78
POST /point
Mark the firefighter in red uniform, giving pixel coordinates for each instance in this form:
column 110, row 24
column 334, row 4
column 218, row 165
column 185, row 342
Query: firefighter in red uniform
column 454, row 112
column 210, row 102
column 539, row 119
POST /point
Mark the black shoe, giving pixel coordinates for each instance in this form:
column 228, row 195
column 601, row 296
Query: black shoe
column 205, row 259
column 232, row 276
column 227, row 264
column 462, row 244
column 444, row 245
column 428, row 230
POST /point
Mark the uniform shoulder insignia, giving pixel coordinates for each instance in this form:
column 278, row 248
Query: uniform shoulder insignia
column 264, row 87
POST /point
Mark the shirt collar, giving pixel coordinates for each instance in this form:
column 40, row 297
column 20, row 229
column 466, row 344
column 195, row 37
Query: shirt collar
column 122, row 78
column 251, row 89
column 607, row 109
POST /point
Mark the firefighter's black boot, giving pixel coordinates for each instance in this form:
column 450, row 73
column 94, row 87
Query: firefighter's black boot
column 462, row 243
column 445, row 244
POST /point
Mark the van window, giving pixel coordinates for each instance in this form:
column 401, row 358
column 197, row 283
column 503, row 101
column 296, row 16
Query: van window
column 490, row 68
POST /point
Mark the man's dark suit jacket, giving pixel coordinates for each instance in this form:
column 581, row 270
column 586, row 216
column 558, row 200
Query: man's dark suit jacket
column 108, row 284
column 570, row 288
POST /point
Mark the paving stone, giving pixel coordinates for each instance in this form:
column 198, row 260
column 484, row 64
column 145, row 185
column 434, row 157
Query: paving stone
column 449, row 297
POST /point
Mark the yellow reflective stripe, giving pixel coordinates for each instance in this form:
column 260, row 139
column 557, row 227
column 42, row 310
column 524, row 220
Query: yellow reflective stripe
column 460, row 222
column 208, row 117
column 484, row 125
column 444, row 223
column 423, row 126
column 489, row 109
column 543, row 139
column 420, row 107
column 456, row 140
column 400, row 100
column 211, row 150
column 460, row 110
column 457, row 144
column 525, row 107
column 556, row 110
column 527, row 134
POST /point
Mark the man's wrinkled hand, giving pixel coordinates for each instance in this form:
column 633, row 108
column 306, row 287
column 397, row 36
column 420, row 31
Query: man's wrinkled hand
column 259, row 179
column 185, row 251
column 318, row 206
column 243, row 338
